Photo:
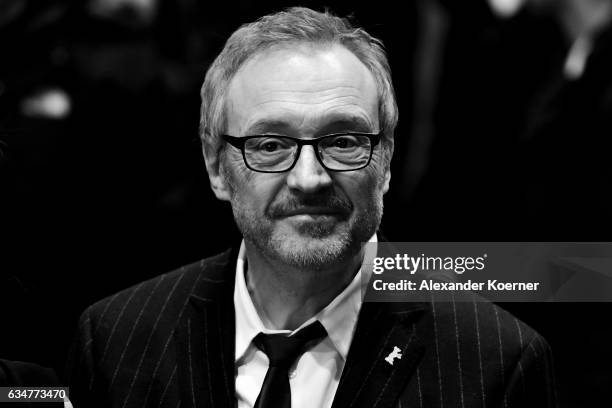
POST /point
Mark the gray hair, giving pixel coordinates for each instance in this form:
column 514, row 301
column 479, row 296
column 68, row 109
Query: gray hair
column 294, row 25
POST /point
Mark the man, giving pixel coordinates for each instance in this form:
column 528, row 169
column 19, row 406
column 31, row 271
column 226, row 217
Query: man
column 297, row 123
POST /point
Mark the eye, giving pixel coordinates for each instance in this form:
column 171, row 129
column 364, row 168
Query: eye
column 270, row 146
column 344, row 142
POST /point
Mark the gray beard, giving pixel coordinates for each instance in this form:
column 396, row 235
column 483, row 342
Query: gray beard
column 314, row 246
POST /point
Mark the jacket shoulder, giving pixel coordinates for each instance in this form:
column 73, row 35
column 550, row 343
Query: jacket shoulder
column 493, row 330
column 482, row 352
column 160, row 298
column 18, row 373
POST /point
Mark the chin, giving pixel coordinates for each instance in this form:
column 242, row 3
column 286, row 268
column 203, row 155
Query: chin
column 317, row 230
column 313, row 246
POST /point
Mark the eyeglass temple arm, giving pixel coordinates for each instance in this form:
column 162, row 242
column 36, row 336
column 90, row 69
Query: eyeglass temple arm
column 237, row 142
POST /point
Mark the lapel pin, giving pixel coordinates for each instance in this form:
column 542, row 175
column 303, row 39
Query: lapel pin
column 393, row 355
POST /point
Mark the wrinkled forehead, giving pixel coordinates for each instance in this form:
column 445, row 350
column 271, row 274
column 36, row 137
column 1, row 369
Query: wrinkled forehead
column 302, row 86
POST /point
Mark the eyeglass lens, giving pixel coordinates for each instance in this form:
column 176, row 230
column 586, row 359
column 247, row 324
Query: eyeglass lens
column 341, row 152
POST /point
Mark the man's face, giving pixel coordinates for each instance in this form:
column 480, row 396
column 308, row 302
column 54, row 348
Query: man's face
column 308, row 217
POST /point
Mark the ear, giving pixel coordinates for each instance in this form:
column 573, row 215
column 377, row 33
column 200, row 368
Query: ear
column 213, row 167
column 389, row 153
column 386, row 181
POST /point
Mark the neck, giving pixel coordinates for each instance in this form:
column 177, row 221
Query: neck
column 285, row 297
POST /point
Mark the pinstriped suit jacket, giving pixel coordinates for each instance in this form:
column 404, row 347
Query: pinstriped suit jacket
column 169, row 342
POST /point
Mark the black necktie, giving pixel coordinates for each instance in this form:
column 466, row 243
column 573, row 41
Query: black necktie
column 282, row 351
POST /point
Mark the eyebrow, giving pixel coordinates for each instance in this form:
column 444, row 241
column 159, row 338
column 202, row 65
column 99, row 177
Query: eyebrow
column 334, row 124
column 268, row 125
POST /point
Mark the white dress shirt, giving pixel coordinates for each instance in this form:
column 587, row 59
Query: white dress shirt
column 315, row 376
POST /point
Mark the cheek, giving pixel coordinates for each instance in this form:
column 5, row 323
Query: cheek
column 360, row 187
column 234, row 165
column 377, row 169
column 249, row 188
column 235, row 173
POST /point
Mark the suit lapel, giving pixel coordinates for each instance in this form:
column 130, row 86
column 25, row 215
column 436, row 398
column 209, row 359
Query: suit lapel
column 368, row 379
column 205, row 342
column 205, row 338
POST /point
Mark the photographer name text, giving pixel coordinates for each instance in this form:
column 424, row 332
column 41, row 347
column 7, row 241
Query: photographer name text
column 469, row 285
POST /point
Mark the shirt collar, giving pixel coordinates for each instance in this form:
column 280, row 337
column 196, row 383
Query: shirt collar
column 339, row 317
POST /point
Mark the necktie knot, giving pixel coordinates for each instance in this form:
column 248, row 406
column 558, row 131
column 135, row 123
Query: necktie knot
column 282, row 351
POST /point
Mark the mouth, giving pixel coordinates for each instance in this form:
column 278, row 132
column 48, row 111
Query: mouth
column 300, row 219
column 312, row 221
column 312, row 213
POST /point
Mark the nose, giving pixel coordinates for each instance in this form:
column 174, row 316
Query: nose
column 308, row 175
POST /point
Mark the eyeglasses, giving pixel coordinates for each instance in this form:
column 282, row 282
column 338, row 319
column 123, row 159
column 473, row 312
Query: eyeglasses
column 276, row 154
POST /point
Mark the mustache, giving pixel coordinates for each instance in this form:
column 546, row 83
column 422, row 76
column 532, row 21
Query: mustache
column 325, row 202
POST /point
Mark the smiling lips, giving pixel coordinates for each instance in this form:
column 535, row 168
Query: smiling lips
column 312, row 211
column 314, row 214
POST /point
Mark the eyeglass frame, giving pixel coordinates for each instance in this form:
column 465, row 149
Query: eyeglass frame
column 239, row 143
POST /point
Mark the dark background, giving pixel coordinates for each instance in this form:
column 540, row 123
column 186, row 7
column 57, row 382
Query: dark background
column 105, row 185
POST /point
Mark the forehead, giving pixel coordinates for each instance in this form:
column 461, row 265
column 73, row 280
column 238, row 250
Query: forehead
column 303, row 88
